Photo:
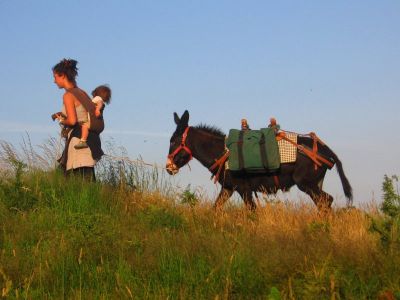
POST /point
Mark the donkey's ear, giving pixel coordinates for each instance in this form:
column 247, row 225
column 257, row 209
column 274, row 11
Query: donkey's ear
column 185, row 119
column 176, row 118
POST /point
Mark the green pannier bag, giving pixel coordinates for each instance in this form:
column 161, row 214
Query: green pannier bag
column 253, row 151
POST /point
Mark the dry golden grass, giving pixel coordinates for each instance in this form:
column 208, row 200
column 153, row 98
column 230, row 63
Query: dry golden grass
column 133, row 238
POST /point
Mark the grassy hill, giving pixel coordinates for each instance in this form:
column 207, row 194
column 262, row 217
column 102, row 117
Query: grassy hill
column 132, row 236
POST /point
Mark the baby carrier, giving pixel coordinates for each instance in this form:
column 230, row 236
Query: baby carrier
column 96, row 123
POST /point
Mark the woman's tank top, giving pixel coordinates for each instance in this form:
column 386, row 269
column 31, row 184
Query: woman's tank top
column 81, row 113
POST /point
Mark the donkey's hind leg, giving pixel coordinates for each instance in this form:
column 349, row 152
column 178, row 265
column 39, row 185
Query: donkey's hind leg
column 321, row 199
column 224, row 195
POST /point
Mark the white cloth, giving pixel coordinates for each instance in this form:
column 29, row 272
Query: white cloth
column 98, row 100
column 79, row 157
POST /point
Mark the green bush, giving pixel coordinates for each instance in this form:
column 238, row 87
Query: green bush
column 389, row 226
column 15, row 194
column 188, row 197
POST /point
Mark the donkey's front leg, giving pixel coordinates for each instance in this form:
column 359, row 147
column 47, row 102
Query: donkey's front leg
column 224, row 195
column 247, row 197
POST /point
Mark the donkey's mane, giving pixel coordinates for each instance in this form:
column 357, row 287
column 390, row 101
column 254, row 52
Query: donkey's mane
column 211, row 130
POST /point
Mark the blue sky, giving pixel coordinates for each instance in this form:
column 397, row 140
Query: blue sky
column 328, row 67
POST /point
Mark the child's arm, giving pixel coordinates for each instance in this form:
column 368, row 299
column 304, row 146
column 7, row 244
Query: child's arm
column 99, row 106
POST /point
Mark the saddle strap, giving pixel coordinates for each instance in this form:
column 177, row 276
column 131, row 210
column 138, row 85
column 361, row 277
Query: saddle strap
column 276, row 182
column 312, row 154
column 240, row 150
column 219, row 163
column 263, row 151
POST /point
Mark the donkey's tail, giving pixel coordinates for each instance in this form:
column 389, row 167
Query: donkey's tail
column 348, row 190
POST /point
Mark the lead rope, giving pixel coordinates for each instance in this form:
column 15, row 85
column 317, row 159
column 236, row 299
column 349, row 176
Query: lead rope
column 137, row 161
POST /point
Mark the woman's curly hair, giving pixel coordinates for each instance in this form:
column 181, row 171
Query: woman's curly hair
column 68, row 68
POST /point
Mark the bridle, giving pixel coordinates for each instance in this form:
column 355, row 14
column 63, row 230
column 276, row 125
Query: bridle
column 182, row 146
column 218, row 164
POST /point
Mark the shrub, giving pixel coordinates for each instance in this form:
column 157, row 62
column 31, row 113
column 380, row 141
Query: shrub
column 189, row 197
column 389, row 226
column 14, row 193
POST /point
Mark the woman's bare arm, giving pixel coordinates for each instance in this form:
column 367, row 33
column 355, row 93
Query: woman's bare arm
column 69, row 102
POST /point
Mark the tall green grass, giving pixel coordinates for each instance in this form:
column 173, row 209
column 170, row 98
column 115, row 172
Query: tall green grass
column 121, row 238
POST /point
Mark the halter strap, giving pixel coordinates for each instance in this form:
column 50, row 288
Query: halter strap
column 182, row 146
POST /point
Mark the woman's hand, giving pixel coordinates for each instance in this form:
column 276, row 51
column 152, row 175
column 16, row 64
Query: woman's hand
column 55, row 116
column 58, row 115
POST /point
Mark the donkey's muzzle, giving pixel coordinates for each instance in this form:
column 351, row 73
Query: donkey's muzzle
column 171, row 168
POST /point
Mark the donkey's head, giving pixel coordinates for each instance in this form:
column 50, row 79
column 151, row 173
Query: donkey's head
column 179, row 153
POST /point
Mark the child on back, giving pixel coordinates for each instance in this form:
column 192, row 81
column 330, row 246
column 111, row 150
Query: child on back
column 101, row 95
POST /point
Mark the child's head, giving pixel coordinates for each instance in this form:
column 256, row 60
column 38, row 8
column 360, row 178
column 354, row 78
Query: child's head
column 104, row 92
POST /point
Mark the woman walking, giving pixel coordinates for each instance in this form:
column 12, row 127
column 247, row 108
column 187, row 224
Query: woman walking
column 75, row 161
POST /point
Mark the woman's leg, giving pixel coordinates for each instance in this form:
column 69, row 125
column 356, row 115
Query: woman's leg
column 86, row 173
